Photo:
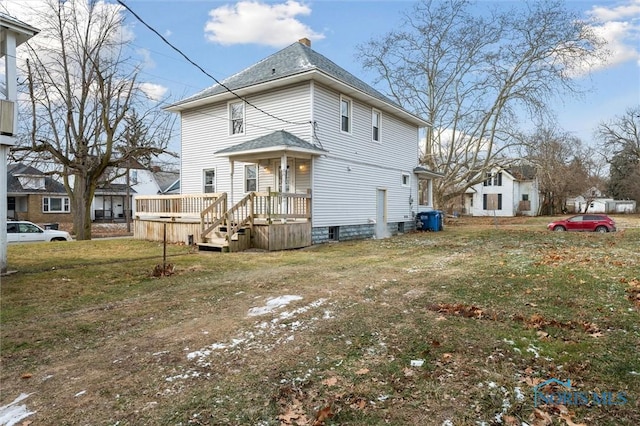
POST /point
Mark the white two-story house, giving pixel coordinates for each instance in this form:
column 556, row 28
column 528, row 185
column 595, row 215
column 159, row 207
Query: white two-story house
column 509, row 191
column 297, row 125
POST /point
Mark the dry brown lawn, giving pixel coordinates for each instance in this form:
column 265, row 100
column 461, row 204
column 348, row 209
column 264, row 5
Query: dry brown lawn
column 447, row 328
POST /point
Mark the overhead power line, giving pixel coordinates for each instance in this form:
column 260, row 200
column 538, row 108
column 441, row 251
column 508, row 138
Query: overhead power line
column 180, row 52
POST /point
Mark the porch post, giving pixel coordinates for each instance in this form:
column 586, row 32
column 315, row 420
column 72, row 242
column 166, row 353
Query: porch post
column 430, row 186
column 283, row 183
column 232, row 165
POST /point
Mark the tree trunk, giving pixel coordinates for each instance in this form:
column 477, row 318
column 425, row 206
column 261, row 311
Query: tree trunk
column 81, row 205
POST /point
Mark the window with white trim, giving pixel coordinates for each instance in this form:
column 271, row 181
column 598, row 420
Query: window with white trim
column 236, row 118
column 209, row 181
column 376, row 118
column 55, row 205
column 345, row 114
column 406, row 179
column 250, row 178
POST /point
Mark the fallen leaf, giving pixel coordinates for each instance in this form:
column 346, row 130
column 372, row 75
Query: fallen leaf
column 331, row 381
column 447, row 357
column 408, row 372
column 540, row 418
column 288, row 417
column 323, row 415
column 27, row 375
column 570, row 422
column 362, row 371
column 542, row 334
column 511, row 421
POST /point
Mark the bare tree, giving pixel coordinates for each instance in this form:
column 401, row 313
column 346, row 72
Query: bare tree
column 472, row 75
column 620, row 144
column 84, row 92
column 564, row 167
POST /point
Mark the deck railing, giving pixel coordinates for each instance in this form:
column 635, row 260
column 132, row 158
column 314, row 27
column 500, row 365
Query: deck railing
column 175, row 206
column 281, row 205
column 213, row 216
column 211, row 209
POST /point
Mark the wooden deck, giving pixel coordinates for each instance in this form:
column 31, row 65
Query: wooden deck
column 269, row 221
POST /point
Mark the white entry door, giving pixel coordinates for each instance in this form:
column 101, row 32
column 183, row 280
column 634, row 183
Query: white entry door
column 381, row 213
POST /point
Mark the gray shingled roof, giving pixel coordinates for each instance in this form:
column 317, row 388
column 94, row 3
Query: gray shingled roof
column 522, row 172
column 166, row 180
column 18, row 169
column 280, row 138
column 294, row 59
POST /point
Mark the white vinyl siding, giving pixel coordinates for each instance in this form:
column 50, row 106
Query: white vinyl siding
column 348, row 197
column 206, row 130
column 344, row 180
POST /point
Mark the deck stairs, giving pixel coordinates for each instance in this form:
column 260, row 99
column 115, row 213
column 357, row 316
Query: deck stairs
column 220, row 226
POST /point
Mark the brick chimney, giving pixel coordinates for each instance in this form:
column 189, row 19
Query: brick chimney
column 305, row 41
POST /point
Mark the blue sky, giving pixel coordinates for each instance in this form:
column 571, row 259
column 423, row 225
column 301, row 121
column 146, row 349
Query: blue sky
column 224, row 37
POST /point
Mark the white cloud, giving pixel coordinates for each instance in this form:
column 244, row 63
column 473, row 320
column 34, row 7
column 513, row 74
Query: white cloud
column 247, row 22
column 153, row 91
column 620, row 27
column 629, row 10
column 147, row 60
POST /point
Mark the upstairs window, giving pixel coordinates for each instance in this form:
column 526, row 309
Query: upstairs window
column 209, row 179
column 497, row 179
column 406, row 179
column 487, row 181
column 375, row 125
column 236, row 118
column 345, row 115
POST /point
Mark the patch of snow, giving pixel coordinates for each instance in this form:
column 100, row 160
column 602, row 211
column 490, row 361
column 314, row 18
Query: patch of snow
column 80, row 393
column 447, row 423
column 519, row 394
column 260, row 338
column 273, row 304
column 417, row 362
column 534, row 350
column 12, row 413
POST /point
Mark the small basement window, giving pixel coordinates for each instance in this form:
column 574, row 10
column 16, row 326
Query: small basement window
column 334, row 233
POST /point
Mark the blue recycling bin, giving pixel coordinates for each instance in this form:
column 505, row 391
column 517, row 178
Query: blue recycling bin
column 429, row 221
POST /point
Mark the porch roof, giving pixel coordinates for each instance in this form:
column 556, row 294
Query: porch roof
column 423, row 171
column 276, row 143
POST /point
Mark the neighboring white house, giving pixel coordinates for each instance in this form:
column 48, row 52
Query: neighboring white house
column 111, row 199
column 505, row 192
column 296, row 122
column 12, row 34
